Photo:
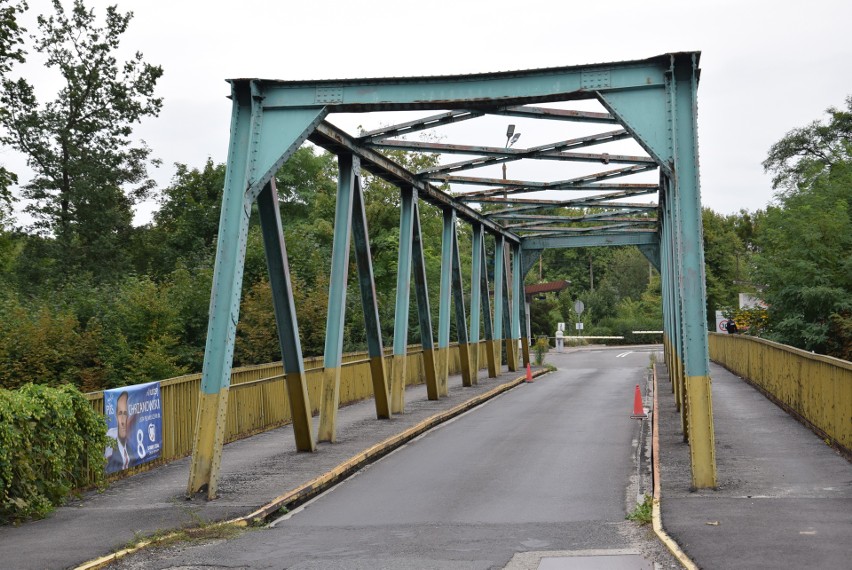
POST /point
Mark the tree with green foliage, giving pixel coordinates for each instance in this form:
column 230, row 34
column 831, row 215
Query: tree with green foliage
column 806, row 153
column 803, row 259
column 11, row 52
column 88, row 173
column 725, row 262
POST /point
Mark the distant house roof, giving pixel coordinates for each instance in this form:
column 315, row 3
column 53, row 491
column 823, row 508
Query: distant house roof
column 550, row 286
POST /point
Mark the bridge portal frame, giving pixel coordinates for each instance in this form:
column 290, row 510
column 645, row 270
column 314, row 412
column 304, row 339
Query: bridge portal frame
column 653, row 100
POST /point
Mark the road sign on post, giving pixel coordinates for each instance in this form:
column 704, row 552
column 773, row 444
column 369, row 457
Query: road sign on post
column 579, row 307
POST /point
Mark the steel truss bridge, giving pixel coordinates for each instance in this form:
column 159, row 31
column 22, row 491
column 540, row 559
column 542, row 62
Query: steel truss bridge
column 649, row 105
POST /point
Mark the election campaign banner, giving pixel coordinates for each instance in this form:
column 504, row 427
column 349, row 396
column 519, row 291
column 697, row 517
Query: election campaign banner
column 134, row 425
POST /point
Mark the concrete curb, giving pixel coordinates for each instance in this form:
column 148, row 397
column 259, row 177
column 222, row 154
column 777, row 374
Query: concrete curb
column 330, row 478
column 656, row 518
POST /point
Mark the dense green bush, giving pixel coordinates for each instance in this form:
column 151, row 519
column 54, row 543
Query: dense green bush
column 51, row 442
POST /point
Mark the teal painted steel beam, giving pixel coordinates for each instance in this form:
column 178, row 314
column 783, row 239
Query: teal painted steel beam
column 530, row 257
column 649, row 238
column 367, row 283
column 644, row 114
column 487, row 323
column 370, row 303
column 338, row 142
column 226, row 290
column 420, row 284
column 278, row 135
column 685, row 85
column 499, row 283
column 230, row 249
column 466, row 91
column 517, row 291
column 403, row 275
column 445, row 291
column 458, row 289
column 349, row 169
column 652, row 254
column 246, row 174
column 285, row 317
column 476, row 268
column 506, row 295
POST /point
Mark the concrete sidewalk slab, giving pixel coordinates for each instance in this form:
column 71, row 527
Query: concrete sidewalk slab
column 255, row 471
column 784, row 498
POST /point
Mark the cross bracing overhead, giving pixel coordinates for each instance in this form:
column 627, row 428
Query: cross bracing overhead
column 592, row 155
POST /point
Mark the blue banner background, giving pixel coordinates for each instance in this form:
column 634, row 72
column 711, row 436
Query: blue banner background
column 134, row 425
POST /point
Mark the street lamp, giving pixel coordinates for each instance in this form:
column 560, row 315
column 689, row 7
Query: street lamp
column 511, row 138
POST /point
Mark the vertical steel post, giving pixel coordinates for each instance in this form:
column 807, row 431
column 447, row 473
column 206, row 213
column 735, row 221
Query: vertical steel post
column 475, row 297
column 348, row 170
column 224, row 299
column 369, row 303
column 458, row 304
column 444, row 301
column 697, row 367
column 499, row 280
column 424, row 312
column 493, row 366
column 403, row 280
column 508, row 327
column 254, row 153
column 519, row 310
column 285, row 317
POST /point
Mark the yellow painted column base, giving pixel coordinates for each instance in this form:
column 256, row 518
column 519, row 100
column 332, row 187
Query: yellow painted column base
column 329, row 403
column 443, row 371
column 702, row 441
column 464, row 361
column 512, row 354
column 207, row 445
column 398, row 381
column 492, row 361
column 430, row 370
column 474, row 363
column 380, row 387
column 300, row 411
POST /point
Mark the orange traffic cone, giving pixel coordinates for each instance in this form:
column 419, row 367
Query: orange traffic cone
column 638, row 409
column 529, row 373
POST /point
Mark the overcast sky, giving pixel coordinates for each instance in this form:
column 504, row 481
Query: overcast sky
column 767, row 66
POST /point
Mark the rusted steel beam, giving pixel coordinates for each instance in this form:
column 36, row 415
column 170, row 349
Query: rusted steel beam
column 568, row 230
column 498, row 155
column 594, row 240
column 337, row 141
column 556, row 114
column 418, row 125
column 603, row 158
column 520, row 186
column 475, row 196
column 545, row 224
column 567, row 203
column 578, row 217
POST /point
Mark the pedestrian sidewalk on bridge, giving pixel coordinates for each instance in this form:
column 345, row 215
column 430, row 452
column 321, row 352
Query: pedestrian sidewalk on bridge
column 784, row 498
column 255, row 471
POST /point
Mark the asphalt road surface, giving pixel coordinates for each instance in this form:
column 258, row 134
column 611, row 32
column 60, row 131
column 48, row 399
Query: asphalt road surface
column 547, row 467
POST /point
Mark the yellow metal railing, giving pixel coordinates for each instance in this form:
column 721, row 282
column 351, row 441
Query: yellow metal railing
column 258, row 398
column 816, row 388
